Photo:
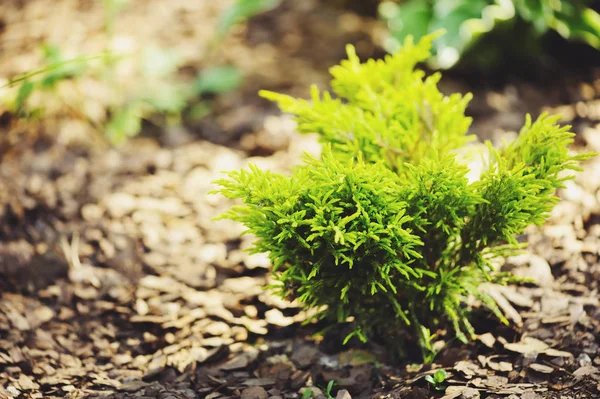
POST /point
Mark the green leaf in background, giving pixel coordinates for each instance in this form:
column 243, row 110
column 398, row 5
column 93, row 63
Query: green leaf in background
column 158, row 62
column 571, row 19
column 166, row 98
column 411, row 18
column 23, row 94
column 242, row 10
column 58, row 67
column 124, row 123
column 462, row 20
column 465, row 21
column 217, row 80
column 307, row 393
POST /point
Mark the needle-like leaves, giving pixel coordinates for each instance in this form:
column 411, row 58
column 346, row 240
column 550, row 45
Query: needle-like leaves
column 385, row 228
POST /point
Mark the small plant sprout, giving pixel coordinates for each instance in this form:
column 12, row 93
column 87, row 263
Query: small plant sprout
column 385, row 227
column 328, row 389
column 437, row 379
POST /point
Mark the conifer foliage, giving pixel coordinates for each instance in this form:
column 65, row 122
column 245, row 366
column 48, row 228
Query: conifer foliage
column 385, row 228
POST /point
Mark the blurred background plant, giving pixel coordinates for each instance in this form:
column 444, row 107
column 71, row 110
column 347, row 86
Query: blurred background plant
column 486, row 33
column 159, row 94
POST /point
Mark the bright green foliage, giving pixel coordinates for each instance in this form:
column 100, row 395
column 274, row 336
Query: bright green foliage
column 385, row 228
column 468, row 21
column 384, row 110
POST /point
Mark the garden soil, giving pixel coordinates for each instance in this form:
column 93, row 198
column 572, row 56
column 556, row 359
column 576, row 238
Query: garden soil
column 116, row 282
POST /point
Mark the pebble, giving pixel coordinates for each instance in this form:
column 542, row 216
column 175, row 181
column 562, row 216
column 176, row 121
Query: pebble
column 584, row 359
column 254, row 393
column 343, row 394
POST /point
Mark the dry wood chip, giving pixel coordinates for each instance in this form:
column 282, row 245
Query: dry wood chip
column 254, row 393
column 240, row 361
column 557, row 353
column 528, row 345
column 276, row 317
column 555, row 303
column 556, row 320
column 215, row 342
column 454, row 392
column 14, row 392
column 500, row 366
column 469, row 369
column 106, row 381
column 149, row 319
column 17, row 320
column 249, row 286
column 260, row 382
column 4, row 394
column 495, row 381
column 511, row 313
column 120, row 204
column 530, row 395
column 518, row 298
column 54, row 380
column 253, row 261
column 39, row 316
column 163, row 284
column 15, row 354
column 487, row 339
column 587, row 371
column 518, row 389
column 217, row 329
column 541, row 368
column 122, row 359
column 254, row 326
column 86, row 293
column 5, row 358
column 70, row 361
column 133, row 386
column 141, row 307
column 533, row 266
column 26, row 383
column 187, row 319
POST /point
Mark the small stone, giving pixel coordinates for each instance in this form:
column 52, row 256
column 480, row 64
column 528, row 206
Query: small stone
column 584, row 360
column 304, row 356
column 343, row 394
column 254, row 393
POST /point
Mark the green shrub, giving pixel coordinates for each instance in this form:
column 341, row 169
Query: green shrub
column 468, row 21
column 385, row 228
